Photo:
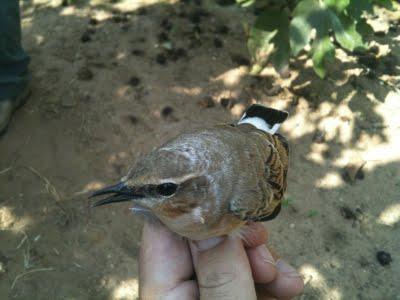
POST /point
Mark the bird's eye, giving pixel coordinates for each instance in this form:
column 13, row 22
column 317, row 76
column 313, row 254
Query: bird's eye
column 167, row 189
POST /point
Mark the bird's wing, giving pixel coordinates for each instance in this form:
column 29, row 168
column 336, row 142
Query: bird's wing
column 275, row 176
column 259, row 199
column 262, row 200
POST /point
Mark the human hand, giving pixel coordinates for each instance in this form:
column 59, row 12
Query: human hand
column 219, row 268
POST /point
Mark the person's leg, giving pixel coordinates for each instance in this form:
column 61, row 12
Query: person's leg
column 14, row 76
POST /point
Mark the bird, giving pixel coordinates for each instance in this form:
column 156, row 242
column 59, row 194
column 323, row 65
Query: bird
column 212, row 181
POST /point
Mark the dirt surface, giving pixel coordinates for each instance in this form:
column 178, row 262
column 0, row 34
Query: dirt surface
column 110, row 81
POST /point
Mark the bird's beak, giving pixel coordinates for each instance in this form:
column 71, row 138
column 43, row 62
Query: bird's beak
column 121, row 192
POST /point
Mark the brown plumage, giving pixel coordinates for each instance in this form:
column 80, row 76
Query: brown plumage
column 272, row 175
column 212, row 181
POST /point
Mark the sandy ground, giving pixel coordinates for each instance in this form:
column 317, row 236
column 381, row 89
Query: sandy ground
column 105, row 90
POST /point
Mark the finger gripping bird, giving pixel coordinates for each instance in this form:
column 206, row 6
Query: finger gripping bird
column 212, row 181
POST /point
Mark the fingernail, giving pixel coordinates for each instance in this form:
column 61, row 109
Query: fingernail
column 209, row 243
column 286, row 269
column 266, row 255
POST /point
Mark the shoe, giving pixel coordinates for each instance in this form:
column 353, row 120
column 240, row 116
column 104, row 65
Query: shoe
column 9, row 106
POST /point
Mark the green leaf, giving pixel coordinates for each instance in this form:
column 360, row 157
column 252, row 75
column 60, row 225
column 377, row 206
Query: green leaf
column 259, row 43
column 323, row 50
column 280, row 57
column 338, row 5
column 315, row 14
column 300, row 34
column 356, row 8
column 269, row 39
column 364, row 28
column 245, row 3
column 305, row 7
column 345, row 32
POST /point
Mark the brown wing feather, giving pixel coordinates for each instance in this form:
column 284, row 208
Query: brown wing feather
column 276, row 168
column 263, row 201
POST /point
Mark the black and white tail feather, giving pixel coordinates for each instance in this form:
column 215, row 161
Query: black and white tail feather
column 264, row 118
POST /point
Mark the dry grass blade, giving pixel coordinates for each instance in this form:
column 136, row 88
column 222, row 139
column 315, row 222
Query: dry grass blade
column 29, row 272
column 50, row 189
column 23, row 240
column 5, row 170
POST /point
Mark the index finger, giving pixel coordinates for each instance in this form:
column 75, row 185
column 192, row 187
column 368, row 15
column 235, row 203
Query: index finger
column 222, row 269
column 165, row 261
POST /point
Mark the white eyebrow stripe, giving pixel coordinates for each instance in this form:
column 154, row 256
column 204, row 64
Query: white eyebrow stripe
column 181, row 179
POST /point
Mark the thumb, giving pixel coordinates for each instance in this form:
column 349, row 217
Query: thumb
column 222, row 269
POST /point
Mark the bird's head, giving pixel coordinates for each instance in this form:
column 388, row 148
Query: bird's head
column 175, row 184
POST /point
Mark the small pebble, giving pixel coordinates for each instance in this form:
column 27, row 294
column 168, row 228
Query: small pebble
column 218, row 43
column 181, row 52
column 167, row 111
column 207, row 102
column 226, row 102
column 240, row 60
column 380, row 33
column 161, row 59
column 93, row 21
column 374, row 49
column 166, row 24
column 133, row 119
column 363, row 262
column 353, row 171
column 85, row 74
column 137, row 52
column 134, row 81
column 348, row 213
column 384, row 258
column 86, row 37
column 175, row 54
column 319, row 137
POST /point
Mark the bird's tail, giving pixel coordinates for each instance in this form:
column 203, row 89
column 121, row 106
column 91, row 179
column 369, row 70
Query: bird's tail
column 264, row 118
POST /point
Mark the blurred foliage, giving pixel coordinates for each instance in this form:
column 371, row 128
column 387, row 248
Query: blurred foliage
column 284, row 28
column 287, row 201
column 312, row 213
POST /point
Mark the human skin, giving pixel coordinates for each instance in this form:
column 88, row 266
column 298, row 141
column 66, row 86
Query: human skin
column 218, row 268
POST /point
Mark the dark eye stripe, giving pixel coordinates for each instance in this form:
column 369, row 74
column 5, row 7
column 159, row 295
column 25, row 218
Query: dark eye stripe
column 166, row 189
